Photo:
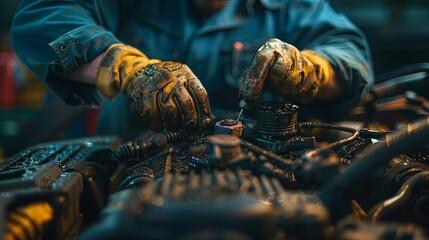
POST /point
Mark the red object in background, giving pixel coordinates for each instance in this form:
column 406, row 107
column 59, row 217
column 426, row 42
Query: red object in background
column 237, row 49
column 238, row 46
column 7, row 78
column 91, row 122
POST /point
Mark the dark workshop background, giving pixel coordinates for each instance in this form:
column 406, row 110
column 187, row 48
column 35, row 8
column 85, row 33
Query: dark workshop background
column 397, row 30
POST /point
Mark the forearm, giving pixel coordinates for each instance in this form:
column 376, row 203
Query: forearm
column 87, row 73
column 333, row 90
column 334, row 37
column 64, row 36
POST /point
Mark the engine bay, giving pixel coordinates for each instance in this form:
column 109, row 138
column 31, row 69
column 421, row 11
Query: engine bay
column 263, row 177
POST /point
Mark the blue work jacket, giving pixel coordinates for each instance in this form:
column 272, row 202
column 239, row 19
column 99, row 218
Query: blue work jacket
column 54, row 37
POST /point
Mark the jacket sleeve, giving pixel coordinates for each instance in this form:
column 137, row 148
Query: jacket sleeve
column 314, row 25
column 53, row 38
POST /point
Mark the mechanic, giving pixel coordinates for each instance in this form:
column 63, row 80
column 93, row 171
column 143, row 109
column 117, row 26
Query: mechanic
column 89, row 51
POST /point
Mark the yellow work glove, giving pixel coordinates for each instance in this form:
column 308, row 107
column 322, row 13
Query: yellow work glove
column 166, row 95
column 298, row 75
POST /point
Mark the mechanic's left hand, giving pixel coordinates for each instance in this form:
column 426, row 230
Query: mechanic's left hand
column 298, row 75
column 166, row 95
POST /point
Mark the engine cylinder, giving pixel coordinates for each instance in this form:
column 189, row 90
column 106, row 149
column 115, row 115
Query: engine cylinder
column 276, row 120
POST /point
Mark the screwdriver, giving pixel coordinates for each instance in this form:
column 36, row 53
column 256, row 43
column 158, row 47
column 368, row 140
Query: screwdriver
column 242, row 105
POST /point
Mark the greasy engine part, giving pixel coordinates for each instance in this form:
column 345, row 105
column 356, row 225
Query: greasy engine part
column 349, row 229
column 29, row 222
column 409, row 204
column 263, row 167
column 399, row 96
column 284, row 163
column 222, row 186
column 223, row 150
column 57, row 191
column 140, row 158
column 141, row 149
column 229, row 126
column 336, row 193
column 296, row 143
column 276, row 120
column 276, row 129
column 72, row 176
column 386, row 182
column 222, row 205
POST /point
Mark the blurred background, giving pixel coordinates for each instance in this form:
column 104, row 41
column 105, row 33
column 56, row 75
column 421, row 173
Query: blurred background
column 397, row 30
column 29, row 112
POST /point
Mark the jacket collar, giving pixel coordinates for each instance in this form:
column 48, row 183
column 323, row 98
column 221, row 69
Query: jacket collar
column 274, row 4
column 231, row 16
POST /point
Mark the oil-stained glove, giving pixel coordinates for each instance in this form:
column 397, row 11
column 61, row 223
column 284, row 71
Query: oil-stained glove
column 166, row 95
column 299, row 75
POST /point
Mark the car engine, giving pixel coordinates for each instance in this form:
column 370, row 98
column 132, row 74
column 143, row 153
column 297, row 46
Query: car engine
column 264, row 177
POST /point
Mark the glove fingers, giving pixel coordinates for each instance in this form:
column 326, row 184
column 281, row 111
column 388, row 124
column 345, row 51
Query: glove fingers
column 201, row 101
column 284, row 73
column 146, row 107
column 152, row 116
column 300, row 82
column 170, row 96
column 186, row 108
column 252, row 81
column 168, row 108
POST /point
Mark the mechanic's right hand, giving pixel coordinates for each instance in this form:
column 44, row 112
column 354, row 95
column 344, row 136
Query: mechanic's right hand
column 166, row 95
column 298, row 75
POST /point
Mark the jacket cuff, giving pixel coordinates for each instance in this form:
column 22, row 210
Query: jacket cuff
column 81, row 46
column 74, row 49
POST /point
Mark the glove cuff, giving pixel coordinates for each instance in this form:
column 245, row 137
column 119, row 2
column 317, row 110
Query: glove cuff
column 322, row 68
column 119, row 65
